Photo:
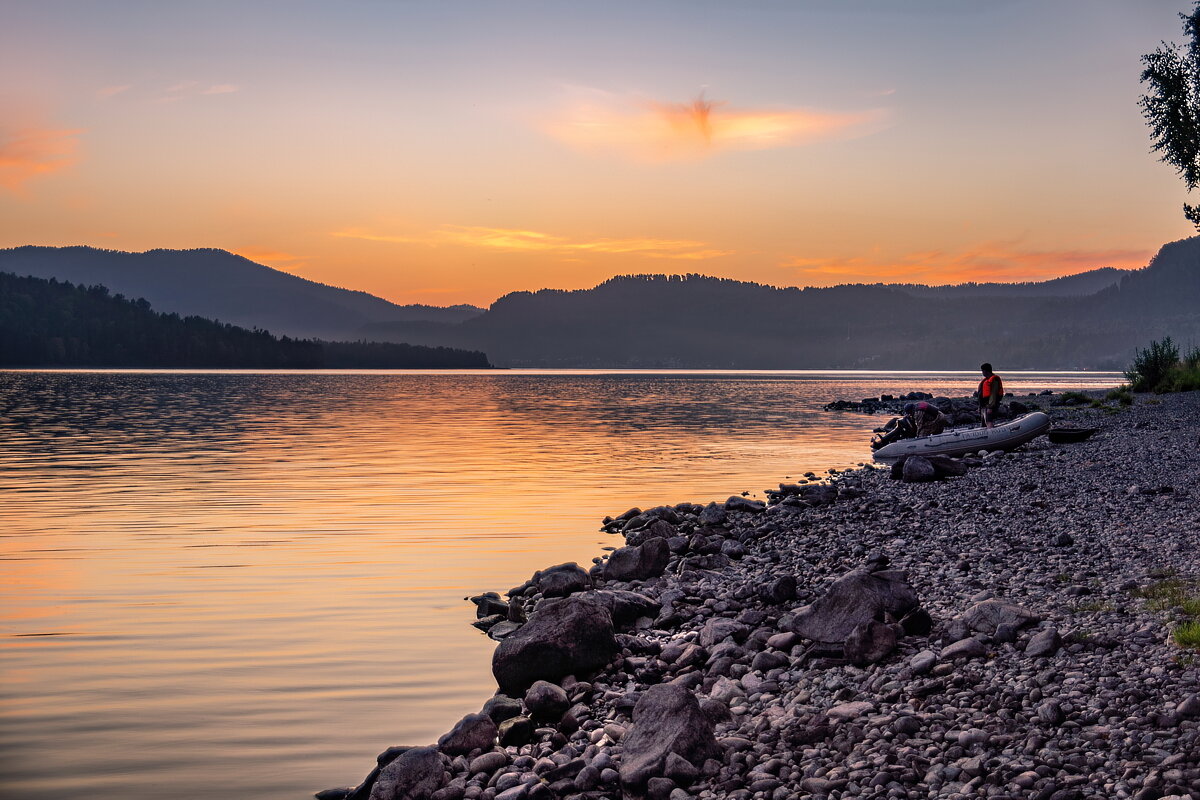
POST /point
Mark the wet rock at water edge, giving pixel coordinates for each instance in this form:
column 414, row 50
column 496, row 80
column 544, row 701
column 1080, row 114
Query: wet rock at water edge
column 489, row 603
column 414, row 775
column 639, row 562
column 568, row 636
column 712, row 514
column 737, row 503
column 515, row 731
column 547, row 702
column 627, row 607
column 501, row 707
column 561, row 580
column 473, row 732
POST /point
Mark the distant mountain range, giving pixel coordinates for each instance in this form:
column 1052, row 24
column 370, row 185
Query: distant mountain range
column 1068, row 286
column 1092, row 320
column 49, row 323
column 219, row 285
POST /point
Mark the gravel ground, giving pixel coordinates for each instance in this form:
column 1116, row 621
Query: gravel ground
column 1052, row 578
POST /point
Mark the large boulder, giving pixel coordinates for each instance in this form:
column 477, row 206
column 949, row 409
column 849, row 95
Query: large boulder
column 947, row 467
column 870, row 642
column 655, row 529
column 627, row 607
column 917, row 469
column 648, row 560
column 858, row 597
column 712, row 514
column 561, row 580
column 563, row 637
column 547, row 702
column 989, row 615
column 667, row 719
column 739, row 503
column 473, row 732
column 415, row 775
column 718, row 629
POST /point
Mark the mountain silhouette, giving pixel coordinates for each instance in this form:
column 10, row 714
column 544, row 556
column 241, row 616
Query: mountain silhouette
column 47, row 323
column 1091, row 321
column 219, row 285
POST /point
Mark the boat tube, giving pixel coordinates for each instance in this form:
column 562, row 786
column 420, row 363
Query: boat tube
column 1011, row 434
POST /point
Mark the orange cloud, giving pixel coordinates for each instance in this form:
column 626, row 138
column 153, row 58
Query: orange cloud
column 986, row 262
column 534, row 241
column 657, row 131
column 28, row 153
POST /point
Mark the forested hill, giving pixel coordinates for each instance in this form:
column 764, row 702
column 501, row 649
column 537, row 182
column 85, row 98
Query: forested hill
column 217, row 284
column 45, row 323
column 1084, row 283
column 694, row 321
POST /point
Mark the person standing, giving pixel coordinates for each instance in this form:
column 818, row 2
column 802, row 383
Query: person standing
column 991, row 392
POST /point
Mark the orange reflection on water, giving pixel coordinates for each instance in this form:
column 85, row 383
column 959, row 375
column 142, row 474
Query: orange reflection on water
column 263, row 574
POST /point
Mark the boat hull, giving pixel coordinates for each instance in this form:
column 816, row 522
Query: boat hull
column 960, row 442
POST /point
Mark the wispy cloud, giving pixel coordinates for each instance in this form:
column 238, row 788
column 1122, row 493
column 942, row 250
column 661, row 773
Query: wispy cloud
column 986, row 262
column 29, row 153
column 112, row 91
column 659, row 131
column 185, row 89
column 535, row 241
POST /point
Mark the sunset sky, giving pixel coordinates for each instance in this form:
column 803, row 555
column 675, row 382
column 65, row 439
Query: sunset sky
column 448, row 152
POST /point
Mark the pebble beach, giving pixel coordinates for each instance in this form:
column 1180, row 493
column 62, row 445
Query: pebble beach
column 1017, row 628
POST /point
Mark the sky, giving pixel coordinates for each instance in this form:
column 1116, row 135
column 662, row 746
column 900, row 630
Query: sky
column 451, row 152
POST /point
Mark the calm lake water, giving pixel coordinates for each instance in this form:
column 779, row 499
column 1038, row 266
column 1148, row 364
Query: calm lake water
column 248, row 584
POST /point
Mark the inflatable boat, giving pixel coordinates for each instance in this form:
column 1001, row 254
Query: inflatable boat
column 1011, row 434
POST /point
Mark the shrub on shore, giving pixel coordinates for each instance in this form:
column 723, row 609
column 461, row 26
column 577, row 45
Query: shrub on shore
column 1160, row 369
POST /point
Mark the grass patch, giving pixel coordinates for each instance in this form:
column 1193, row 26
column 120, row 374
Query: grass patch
column 1178, row 596
column 1170, row 593
column 1121, row 395
column 1188, row 635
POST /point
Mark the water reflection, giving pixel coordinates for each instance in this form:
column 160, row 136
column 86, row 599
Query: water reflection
column 259, row 576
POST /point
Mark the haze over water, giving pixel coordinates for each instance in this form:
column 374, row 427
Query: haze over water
column 240, row 584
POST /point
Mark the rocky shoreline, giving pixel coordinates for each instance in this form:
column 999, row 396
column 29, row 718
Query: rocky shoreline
column 1004, row 633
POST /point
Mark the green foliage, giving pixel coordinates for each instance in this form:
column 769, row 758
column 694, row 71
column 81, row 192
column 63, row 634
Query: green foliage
column 1169, row 593
column 1188, row 635
column 1181, row 597
column 1120, row 395
column 1171, row 105
column 1152, row 366
column 45, row 323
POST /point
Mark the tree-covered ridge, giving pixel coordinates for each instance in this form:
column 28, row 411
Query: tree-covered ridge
column 694, row 321
column 216, row 284
column 47, row 323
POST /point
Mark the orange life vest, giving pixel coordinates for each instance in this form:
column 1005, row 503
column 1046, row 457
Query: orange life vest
column 985, row 385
